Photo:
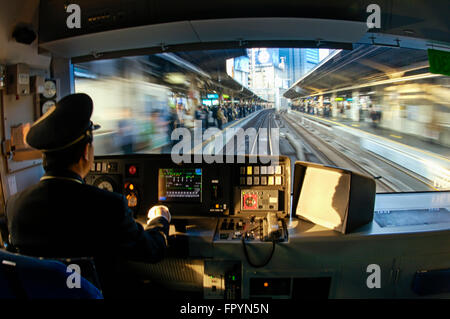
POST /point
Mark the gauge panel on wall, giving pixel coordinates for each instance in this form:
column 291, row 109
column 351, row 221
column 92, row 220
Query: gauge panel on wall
column 46, row 106
column 48, row 97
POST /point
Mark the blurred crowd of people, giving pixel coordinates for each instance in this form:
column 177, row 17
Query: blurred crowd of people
column 138, row 133
column 367, row 112
column 219, row 115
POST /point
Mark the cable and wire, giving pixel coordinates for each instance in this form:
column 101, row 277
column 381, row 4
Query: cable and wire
column 244, row 245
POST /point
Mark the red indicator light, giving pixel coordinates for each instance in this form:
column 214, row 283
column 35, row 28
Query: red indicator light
column 132, row 170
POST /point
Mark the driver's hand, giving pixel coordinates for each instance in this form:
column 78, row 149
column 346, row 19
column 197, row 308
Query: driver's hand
column 158, row 210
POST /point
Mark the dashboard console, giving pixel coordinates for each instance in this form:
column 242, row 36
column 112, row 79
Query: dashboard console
column 230, row 219
column 244, row 187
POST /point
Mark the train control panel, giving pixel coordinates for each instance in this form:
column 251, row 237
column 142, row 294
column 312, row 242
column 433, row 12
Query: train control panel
column 246, row 189
column 238, row 229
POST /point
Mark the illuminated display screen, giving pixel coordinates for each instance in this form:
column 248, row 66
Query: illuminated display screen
column 180, row 184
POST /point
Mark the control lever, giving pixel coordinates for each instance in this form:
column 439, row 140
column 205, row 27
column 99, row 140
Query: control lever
column 271, row 228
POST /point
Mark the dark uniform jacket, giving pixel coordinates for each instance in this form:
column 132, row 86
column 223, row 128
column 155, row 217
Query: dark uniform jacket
column 62, row 217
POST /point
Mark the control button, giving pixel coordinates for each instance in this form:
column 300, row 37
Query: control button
column 263, row 180
column 98, row 167
column 249, row 170
column 277, row 180
column 256, row 180
column 242, row 180
column 263, row 170
column 132, row 170
column 237, row 235
column 270, row 180
column 256, row 170
column 114, row 167
column 270, row 170
column 249, row 180
column 242, row 170
column 93, row 167
column 278, row 169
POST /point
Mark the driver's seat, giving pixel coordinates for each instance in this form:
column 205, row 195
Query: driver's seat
column 33, row 278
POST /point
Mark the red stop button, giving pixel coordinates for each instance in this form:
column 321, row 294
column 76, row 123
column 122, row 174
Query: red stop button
column 132, row 169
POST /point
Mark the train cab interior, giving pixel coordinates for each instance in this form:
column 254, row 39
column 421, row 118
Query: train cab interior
column 301, row 147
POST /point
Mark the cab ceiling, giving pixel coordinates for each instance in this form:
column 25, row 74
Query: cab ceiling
column 139, row 27
column 205, row 34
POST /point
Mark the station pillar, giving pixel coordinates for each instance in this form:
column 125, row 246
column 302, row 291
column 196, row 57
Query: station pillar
column 320, row 106
column 194, row 96
column 334, row 108
column 355, row 106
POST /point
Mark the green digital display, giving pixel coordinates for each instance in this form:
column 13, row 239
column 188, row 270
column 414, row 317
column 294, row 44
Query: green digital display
column 180, row 184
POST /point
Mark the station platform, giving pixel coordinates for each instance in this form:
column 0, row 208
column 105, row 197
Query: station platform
column 398, row 137
column 428, row 160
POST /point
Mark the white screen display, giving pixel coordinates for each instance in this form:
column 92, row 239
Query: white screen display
column 324, row 197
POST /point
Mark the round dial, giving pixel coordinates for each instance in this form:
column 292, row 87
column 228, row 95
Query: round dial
column 49, row 89
column 106, row 186
column 47, row 105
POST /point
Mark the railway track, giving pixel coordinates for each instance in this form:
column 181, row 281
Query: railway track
column 390, row 177
column 265, row 118
column 262, row 120
column 324, row 149
column 330, row 155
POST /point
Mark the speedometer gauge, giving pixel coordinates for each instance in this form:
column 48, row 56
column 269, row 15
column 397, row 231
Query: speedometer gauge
column 106, row 186
column 106, row 183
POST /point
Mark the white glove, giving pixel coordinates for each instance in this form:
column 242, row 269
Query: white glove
column 157, row 211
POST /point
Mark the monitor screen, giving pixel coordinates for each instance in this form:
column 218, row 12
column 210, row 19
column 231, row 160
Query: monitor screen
column 180, row 185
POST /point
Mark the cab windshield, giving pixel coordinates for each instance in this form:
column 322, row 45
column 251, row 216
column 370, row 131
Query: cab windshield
column 374, row 110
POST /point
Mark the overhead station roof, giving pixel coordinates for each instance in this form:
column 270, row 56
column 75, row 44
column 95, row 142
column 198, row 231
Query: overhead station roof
column 213, row 63
column 361, row 66
column 208, row 67
column 211, row 60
